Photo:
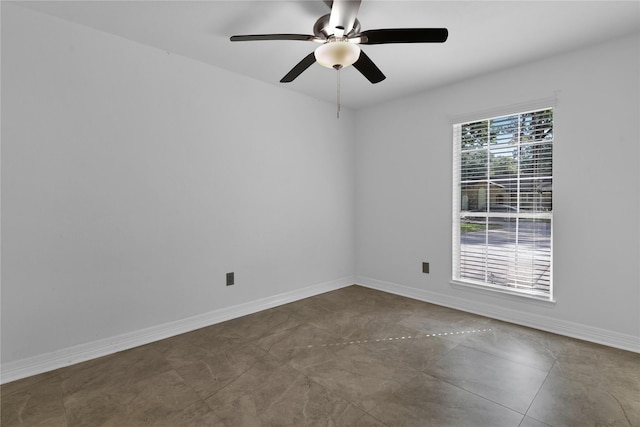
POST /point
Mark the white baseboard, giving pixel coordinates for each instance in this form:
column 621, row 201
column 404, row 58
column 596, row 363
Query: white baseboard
column 27, row 367
column 545, row 323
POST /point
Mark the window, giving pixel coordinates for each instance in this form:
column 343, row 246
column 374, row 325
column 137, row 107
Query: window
column 502, row 213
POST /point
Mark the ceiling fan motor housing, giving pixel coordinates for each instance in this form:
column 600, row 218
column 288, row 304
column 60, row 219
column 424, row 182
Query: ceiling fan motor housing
column 323, row 30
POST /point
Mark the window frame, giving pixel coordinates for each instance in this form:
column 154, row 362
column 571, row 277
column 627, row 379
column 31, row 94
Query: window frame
column 479, row 285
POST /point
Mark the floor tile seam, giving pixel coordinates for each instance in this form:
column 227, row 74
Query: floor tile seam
column 212, row 409
column 270, row 331
column 604, row 368
column 475, row 394
column 549, row 350
column 67, row 413
column 486, row 398
column 142, row 362
column 329, row 391
column 598, row 387
column 364, row 346
column 63, row 406
column 561, row 371
column 172, row 416
column 530, row 417
column 306, row 375
column 188, row 404
column 264, row 354
column 138, row 392
column 293, row 383
column 533, row 335
column 268, row 350
column 304, row 322
column 439, row 358
column 200, row 398
column 301, row 376
column 602, row 384
column 220, row 419
column 394, row 360
column 405, row 364
column 374, row 417
column 538, row 393
column 209, row 396
column 624, row 410
column 400, row 385
column 508, row 360
column 279, row 357
column 390, row 359
column 287, row 363
column 329, row 331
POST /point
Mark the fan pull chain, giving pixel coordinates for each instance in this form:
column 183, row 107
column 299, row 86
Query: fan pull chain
column 338, row 96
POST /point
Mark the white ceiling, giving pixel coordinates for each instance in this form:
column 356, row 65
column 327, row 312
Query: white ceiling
column 483, row 36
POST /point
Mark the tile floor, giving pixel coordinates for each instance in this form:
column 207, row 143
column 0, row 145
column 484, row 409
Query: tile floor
column 352, row 357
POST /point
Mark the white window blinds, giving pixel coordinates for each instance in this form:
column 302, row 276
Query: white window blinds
column 502, row 213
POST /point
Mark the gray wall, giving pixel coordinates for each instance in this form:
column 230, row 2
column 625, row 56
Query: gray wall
column 404, row 181
column 133, row 180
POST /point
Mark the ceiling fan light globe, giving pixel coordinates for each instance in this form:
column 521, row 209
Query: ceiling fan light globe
column 337, row 54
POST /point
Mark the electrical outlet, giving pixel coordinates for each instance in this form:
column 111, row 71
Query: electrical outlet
column 230, row 279
column 425, row 267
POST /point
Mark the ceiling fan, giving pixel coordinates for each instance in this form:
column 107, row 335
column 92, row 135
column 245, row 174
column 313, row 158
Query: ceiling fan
column 339, row 35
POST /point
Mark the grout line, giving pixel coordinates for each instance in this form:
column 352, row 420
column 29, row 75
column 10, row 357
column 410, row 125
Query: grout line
column 503, row 357
column 539, row 390
column 475, row 394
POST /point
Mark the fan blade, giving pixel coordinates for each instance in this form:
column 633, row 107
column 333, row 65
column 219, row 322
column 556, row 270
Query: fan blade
column 252, row 37
column 404, row 35
column 365, row 65
column 299, row 68
column 343, row 14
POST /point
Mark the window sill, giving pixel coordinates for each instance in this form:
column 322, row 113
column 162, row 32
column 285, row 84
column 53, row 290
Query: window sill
column 491, row 290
